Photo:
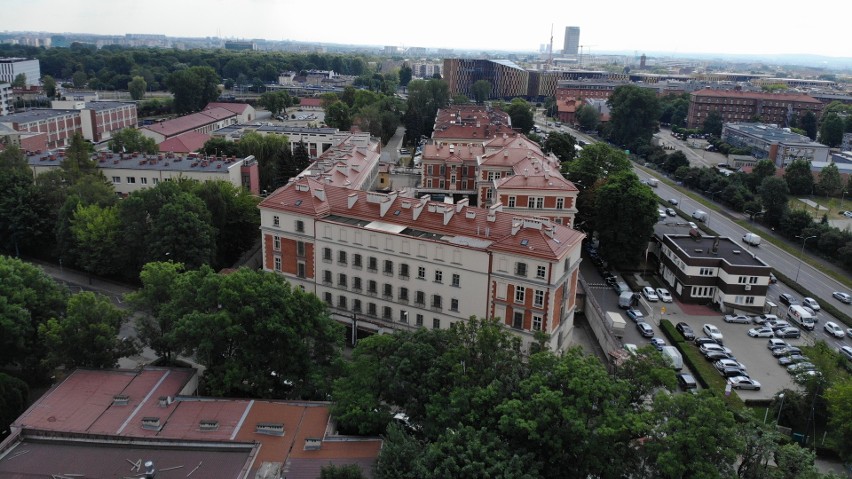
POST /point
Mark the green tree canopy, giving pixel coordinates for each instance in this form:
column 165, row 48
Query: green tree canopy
column 337, row 116
column 588, row 117
column 20, row 80
column 830, row 182
column 800, row 180
column 713, row 124
column 14, row 395
column 634, row 113
column 521, row 114
column 193, row 88
column 562, row 145
column 95, row 231
column 49, row 84
column 621, row 201
column 831, row 130
column 87, row 335
column 275, row 101
column 481, row 91
column 808, row 123
column 137, row 87
column 773, row 194
column 130, row 140
column 405, row 75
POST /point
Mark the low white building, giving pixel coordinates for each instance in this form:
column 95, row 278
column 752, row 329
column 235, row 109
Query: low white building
column 10, row 68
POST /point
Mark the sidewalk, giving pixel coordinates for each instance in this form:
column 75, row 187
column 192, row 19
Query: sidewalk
column 85, row 282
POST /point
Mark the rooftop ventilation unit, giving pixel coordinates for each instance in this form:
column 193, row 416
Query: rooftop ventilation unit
column 270, row 428
column 151, row 423
column 208, row 425
column 120, row 400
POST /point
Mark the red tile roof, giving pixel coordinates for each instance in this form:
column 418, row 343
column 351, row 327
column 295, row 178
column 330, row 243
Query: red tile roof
column 238, row 108
column 310, row 101
column 184, row 143
column 190, row 122
column 301, row 197
column 756, row 95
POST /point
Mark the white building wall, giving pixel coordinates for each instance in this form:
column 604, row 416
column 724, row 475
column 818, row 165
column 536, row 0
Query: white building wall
column 9, row 69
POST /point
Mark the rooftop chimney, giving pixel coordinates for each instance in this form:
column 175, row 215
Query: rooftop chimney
column 351, row 199
column 319, row 194
column 461, row 204
column 418, row 208
column 515, row 228
column 448, row 213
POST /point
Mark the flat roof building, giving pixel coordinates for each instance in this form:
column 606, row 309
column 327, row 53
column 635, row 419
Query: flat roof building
column 778, row 145
column 11, row 67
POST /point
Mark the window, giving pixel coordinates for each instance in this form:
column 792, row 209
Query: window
column 541, row 272
column 403, row 270
column 536, row 323
column 276, row 243
column 749, row 300
column 512, row 200
column 156, row 180
column 535, row 202
column 372, row 287
column 387, row 290
column 356, row 283
column 326, row 277
column 371, row 309
column 277, row 264
column 387, row 313
column 403, row 316
column 143, row 180
column 421, row 272
column 356, row 305
column 131, row 179
column 300, row 226
column 420, row 298
column 518, row 320
column 373, row 263
column 326, row 254
column 560, row 203
column 341, row 302
column 300, row 249
column 300, row 269
column 341, row 280
column 403, row 294
column 436, row 301
column 341, row 257
column 520, row 269
column 705, row 272
column 439, row 276
column 538, row 298
column 436, row 323
column 419, row 320
column 752, row 280
column 356, row 261
column 520, row 294
column 328, row 298
column 276, row 221
column 388, row 269
column 456, row 280
column 454, row 304
column 117, row 179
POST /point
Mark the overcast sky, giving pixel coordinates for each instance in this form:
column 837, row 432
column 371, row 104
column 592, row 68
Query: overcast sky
column 664, row 26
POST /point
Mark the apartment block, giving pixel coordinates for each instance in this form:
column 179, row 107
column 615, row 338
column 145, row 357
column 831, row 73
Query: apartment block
column 507, row 79
column 56, row 126
column 10, row 68
column 746, row 106
column 383, row 262
column 770, row 142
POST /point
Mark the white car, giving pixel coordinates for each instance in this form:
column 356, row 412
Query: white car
column 846, row 351
column 833, row 329
column 737, row 318
column 811, row 303
column 649, row 294
column 744, row 382
column 842, row 297
column 713, row 332
column 729, row 363
column 763, row 332
column 664, row 295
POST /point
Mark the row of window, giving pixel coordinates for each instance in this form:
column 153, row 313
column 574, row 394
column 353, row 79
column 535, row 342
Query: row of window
column 518, row 321
column 747, row 279
column 373, row 310
column 132, row 179
column 388, row 266
column 357, row 285
column 300, row 225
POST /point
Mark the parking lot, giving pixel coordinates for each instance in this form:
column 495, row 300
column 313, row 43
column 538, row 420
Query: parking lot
column 751, row 352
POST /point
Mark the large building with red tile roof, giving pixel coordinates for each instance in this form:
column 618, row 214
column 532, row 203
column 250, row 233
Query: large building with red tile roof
column 351, row 162
column 742, row 106
column 109, row 423
column 384, row 262
column 202, row 122
column 186, row 143
column 245, row 112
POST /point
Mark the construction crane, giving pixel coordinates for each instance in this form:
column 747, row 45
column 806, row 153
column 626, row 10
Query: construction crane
column 581, row 52
column 550, row 49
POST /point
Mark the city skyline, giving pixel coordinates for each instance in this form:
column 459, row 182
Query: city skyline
column 667, row 28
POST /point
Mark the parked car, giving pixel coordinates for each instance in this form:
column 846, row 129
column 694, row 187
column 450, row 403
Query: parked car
column 763, row 318
column 645, row 329
column 706, row 348
column 732, row 372
column 713, row 332
column 728, row 363
column 658, row 343
column 687, row 382
column 772, row 278
column 672, row 201
column 811, row 303
column 844, row 298
column 744, row 382
column 776, row 343
column 671, row 212
column 649, row 294
column 714, row 356
column 635, row 315
column 845, row 351
column 787, row 299
column 786, row 351
column 685, row 330
column 800, row 367
column 780, row 324
column 664, row 295
column 833, row 329
column 788, row 333
column 763, row 332
column 704, row 340
column 792, row 359
column 737, row 318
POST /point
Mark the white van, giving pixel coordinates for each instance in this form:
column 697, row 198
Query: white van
column 798, row 315
column 700, row 215
column 751, row 239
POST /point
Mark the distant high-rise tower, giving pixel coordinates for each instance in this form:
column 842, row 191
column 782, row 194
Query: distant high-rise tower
column 572, row 41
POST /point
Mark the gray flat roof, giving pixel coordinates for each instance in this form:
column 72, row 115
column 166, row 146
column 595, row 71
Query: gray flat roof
column 107, row 105
column 773, row 134
column 36, row 115
column 728, row 250
column 160, row 162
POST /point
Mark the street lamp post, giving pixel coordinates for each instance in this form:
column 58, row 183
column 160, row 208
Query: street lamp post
column 842, row 197
column 804, row 240
column 778, row 420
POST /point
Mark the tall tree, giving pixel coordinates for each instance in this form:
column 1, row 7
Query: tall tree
column 562, row 145
column 481, row 91
column 763, row 169
column 405, row 75
column 14, row 395
column 337, row 116
column 274, row 101
column 674, row 161
column 156, row 323
column 839, row 400
column 137, row 87
column 521, row 114
column 595, row 162
column 713, row 124
column 234, row 218
column 831, row 130
column 24, row 221
column 634, row 113
column 49, row 84
column 773, row 194
column 800, row 180
column 808, row 123
column 20, row 80
column 830, row 183
column 182, row 231
column 588, row 117
column 193, row 88
column 95, row 232
column 87, row 335
column 621, row 201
